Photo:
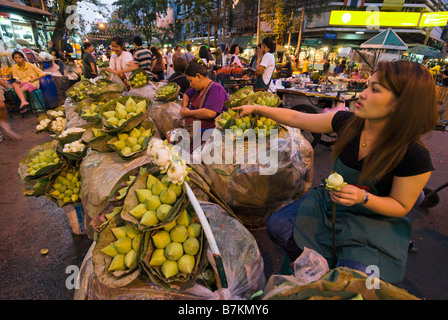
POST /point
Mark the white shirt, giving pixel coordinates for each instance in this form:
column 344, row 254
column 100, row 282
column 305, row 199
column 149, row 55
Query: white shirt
column 121, row 62
column 268, row 61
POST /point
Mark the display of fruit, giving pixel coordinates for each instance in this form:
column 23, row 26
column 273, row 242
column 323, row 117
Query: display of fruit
column 139, row 79
column 155, row 201
column 167, row 92
column 123, row 112
column 133, row 141
column 176, row 246
column 125, row 249
column 41, row 160
column 66, row 187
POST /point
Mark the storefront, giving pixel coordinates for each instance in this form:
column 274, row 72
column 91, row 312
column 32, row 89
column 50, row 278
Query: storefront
column 23, row 25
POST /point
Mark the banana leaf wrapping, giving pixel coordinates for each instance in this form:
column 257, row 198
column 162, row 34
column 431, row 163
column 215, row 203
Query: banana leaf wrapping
column 130, row 123
column 252, row 189
column 131, row 201
column 341, row 283
column 180, row 281
column 175, row 88
column 101, row 172
column 55, row 199
column 74, row 156
column 239, row 95
column 46, row 171
column 70, row 137
column 105, row 90
column 241, row 257
column 124, row 183
column 83, row 105
column 78, row 91
column 101, row 262
column 132, row 78
column 147, row 124
column 35, row 187
column 166, row 115
column 97, row 143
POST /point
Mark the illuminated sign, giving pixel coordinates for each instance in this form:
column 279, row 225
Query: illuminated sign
column 367, row 19
column 433, row 19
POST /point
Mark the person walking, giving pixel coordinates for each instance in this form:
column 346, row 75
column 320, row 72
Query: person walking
column 89, row 67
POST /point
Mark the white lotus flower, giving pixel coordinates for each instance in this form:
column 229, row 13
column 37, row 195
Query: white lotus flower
column 154, row 146
column 71, row 130
column 75, row 146
column 177, row 172
column 162, row 158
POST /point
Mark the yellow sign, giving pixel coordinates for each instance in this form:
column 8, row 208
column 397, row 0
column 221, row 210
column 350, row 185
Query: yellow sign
column 374, row 18
column 434, row 19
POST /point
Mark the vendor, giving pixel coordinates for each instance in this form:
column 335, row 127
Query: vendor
column 265, row 66
column 234, row 59
column 121, row 62
column 89, row 68
column 26, row 76
column 179, row 77
column 385, row 166
column 205, row 99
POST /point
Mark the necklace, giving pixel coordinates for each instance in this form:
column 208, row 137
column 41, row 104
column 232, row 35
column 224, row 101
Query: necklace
column 364, row 140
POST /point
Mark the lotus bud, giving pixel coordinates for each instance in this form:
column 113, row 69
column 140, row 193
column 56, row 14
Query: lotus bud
column 183, row 219
column 142, row 194
column 173, row 251
column 194, row 230
column 161, row 239
column 110, row 250
column 151, row 181
column 168, row 196
column 157, row 188
column 152, row 203
column 149, row 219
column 130, row 260
column 123, row 245
column 136, row 242
column 169, row 226
column 186, row 263
column 162, row 211
column 191, row 246
column 179, row 234
column 169, row 269
column 138, row 211
column 131, row 232
column 157, row 258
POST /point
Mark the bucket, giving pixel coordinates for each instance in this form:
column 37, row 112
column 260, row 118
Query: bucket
column 50, row 92
column 75, row 217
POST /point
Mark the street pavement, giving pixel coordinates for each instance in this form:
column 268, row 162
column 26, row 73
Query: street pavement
column 30, row 224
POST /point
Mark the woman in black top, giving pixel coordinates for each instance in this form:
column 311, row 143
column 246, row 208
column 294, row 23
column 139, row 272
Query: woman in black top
column 179, row 66
column 89, row 69
column 379, row 154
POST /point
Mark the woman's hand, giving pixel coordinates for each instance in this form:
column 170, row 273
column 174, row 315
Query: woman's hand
column 348, row 195
column 185, row 112
column 245, row 110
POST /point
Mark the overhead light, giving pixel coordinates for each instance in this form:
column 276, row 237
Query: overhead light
column 359, row 32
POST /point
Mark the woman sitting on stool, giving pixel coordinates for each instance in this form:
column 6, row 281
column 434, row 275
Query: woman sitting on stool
column 27, row 77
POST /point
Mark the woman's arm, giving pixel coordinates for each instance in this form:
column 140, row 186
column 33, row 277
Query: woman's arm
column 319, row 123
column 404, row 193
column 202, row 113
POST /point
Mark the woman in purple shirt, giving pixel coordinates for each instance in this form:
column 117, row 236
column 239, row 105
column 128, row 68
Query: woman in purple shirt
column 204, row 101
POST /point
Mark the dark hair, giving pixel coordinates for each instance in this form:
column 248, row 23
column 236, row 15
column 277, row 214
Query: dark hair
column 269, row 42
column 85, row 45
column 188, row 46
column 57, row 52
column 203, row 53
column 195, row 67
column 17, row 53
column 138, row 41
column 177, row 46
column 179, row 65
column 156, row 52
column 118, row 41
column 233, row 48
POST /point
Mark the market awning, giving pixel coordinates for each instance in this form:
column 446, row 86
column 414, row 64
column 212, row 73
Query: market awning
column 242, row 41
column 12, row 7
column 387, row 39
column 423, row 50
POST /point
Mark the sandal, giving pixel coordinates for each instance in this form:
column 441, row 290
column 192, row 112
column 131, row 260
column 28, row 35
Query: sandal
column 24, row 108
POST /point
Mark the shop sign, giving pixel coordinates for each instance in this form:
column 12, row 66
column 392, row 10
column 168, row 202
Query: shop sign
column 312, row 42
column 330, row 35
column 365, row 19
column 4, row 14
column 433, row 19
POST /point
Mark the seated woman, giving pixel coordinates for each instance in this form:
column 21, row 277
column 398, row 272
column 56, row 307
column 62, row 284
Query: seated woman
column 204, row 101
column 179, row 66
column 381, row 157
column 26, row 77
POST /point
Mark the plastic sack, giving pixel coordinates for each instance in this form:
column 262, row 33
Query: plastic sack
column 310, row 266
column 250, row 188
column 166, row 115
column 73, row 118
column 147, row 91
column 241, row 257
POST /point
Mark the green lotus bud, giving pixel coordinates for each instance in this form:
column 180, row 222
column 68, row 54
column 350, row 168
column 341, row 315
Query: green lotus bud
column 130, row 115
column 131, row 232
column 142, row 194
column 194, row 230
column 138, row 211
column 136, row 148
column 161, row 239
column 149, row 219
column 121, row 121
column 179, row 234
column 157, row 188
column 176, row 188
column 113, row 121
column 130, row 260
column 123, row 136
column 135, row 133
column 169, row 269
column 123, row 245
column 136, row 242
column 119, row 232
column 109, row 114
column 165, row 180
column 126, row 151
column 120, row 144
column 141, row 104
column 169, row 226
column 117, row 263
column 130, row 105
column 173, row 251
column 131, row 141
column 121, row 114
column 157, row 258
column 151, row 181
column 110, row 250
column 186, row 263
column 153, row 203
column 140, row 140
column 168, row 196
column 162, row 211
column 191, row 246
column 184, row 219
